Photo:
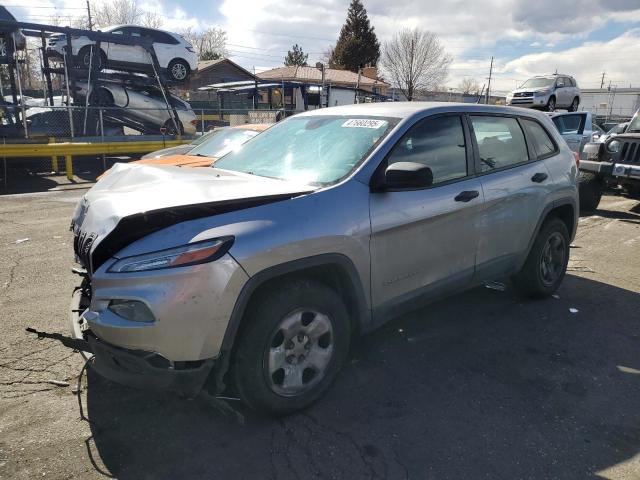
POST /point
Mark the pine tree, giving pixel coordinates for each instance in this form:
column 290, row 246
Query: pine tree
column 357, row 44
column 296, row 57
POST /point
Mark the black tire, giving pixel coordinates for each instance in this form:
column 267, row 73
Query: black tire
column 101, row 97
column 633, row 190
column 531, row 280
column 170, row 128
column 551, row 104
column 84, row 55
column 574, row 105
column 178, row 70
column 263, row 332
column 590, row 191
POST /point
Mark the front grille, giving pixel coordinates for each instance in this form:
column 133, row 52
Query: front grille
column 630, row 152
column 523, row 94
column 82, row 242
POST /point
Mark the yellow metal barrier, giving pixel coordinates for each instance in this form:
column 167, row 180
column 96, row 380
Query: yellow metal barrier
column 70, row 149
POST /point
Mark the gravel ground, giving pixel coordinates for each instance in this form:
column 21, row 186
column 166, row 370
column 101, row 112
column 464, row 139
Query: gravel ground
column 481, row 385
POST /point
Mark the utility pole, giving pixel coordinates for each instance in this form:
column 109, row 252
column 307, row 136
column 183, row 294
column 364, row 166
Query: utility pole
column 89, row 15
column 489, row 83
column 602, row 81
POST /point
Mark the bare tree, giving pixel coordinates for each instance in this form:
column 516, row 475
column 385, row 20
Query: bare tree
column 123, row 12
column 469, row 85
column 415, row 60
column 209, row 44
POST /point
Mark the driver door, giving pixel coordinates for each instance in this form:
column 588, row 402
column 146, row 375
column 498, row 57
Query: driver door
column 424, row 241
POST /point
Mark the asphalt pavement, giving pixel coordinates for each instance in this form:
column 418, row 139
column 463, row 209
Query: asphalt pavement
column 481, row 385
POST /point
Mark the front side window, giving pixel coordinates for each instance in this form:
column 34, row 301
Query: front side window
column 437, row 143
column 316, row 150
column 569, row 124
column 542, row 143
column 500, row 142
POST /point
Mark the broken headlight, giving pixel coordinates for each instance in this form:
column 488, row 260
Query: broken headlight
column 191, row 254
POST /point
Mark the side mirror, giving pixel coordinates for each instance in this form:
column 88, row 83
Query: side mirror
column 407, row 175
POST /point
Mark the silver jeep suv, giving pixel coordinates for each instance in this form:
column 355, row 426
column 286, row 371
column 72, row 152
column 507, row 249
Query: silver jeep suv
column 547, row 93
column 253, row 276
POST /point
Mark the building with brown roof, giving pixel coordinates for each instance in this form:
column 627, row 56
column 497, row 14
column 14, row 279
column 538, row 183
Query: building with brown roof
column 366, row 81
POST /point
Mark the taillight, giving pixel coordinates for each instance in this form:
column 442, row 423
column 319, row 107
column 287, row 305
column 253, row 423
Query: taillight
column 194, row 122
column 577, row 156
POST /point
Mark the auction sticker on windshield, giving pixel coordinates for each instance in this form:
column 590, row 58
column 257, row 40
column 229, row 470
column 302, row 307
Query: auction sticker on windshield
column 363, row 123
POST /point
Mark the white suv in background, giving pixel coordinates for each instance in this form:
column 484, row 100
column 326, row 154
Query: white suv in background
column 175, row 55
column 547, row 93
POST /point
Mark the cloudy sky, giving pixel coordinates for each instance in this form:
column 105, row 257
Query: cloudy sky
column 578, row 37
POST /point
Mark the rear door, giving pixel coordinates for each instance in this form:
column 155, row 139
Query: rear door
column 571, row 127
column 164, row 46
column 515, row 183
column 424, row 240
column 561, row 92
column 133, row 54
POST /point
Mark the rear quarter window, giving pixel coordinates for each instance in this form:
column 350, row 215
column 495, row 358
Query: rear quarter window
column 542, row 142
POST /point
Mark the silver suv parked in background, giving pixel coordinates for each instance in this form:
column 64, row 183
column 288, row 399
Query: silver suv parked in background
column 547, row 93
column 254, row 275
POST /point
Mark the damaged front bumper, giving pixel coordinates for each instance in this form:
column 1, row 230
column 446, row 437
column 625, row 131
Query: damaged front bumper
column 135, row 368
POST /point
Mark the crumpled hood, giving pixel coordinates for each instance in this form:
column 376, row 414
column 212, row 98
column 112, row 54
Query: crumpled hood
column 139, row 199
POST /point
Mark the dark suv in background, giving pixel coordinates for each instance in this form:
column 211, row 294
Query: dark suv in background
column 616, row 162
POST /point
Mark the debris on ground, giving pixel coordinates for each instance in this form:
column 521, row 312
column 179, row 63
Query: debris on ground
column 557, row 297
column 574, row 310
column 22, row 240
column 501, row 287
column 59, row 383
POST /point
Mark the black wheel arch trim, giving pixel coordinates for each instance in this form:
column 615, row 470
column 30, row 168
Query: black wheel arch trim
column 363, row 318
column 543, row 216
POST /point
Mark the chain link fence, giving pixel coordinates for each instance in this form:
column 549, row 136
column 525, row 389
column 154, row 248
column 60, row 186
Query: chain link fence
column 91, row 125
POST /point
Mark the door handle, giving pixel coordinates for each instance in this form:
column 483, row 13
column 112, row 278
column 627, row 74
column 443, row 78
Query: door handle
column 466, row 196
column 539, row 177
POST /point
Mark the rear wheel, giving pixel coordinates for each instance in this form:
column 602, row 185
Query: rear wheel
column 170, row 128
column 295, row 341
column 546, row 264
column 178, row 70
column 590, row 191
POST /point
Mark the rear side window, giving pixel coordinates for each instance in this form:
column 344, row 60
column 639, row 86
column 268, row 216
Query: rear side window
column 437, row 143
column 500, row 142
column 160, row 37
column 542, row 142
column 569, row 124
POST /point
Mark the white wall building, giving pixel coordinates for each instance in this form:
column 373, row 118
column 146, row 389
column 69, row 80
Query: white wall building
column 617, row 103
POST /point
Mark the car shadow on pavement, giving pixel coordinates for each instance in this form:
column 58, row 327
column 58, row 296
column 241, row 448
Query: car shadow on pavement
column 481, row 385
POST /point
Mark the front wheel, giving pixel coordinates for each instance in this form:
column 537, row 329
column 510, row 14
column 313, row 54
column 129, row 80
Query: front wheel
column 574, row 105
column 295, row 340
column 546, row 264
column 551, row 104
column 85, row 60
column 590, row 189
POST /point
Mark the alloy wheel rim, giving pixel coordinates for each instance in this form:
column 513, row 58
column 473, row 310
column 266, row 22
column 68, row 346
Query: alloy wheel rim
column 179, row 71
column 299, row 352
column 553, row 259
column 552, row 105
